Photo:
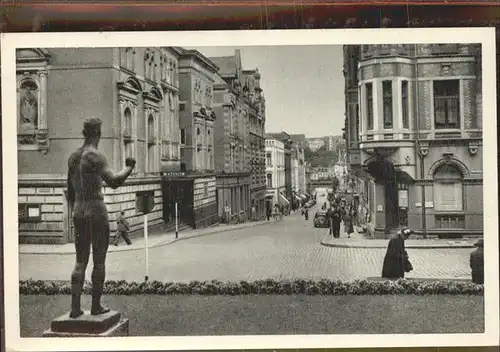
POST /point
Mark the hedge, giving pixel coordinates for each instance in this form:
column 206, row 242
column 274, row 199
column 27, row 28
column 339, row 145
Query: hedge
column 269, row 287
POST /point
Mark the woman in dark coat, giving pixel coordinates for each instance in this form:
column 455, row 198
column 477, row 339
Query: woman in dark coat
column 477, row 263
column 348, row 223
column 396, row 262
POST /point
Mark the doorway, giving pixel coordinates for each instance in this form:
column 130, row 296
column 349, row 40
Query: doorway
column 180, row 191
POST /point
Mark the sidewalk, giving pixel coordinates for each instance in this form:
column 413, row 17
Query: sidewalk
column 154, row 240
column 358, row 240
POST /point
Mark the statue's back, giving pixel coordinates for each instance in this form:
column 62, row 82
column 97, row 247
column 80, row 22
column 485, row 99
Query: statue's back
column 87, row 182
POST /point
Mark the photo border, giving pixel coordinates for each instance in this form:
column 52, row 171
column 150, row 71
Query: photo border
column 485, row 36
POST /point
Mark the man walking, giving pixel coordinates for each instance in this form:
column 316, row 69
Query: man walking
column 123, row 228
column 87, row 169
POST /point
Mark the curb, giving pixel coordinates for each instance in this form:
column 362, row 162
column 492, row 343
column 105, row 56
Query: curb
column 159, row 244
column 227, row 229
column 413, row 246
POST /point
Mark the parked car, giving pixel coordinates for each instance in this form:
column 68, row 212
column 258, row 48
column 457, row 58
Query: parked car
column 321, row 219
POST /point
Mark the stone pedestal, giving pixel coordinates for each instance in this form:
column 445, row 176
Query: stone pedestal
column 109, row 324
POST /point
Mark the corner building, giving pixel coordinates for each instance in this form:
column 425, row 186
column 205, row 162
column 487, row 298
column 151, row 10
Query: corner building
column 417, row 141
column 134, row 91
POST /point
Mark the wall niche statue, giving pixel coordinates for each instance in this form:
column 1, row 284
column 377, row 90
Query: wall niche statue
column 28, row 105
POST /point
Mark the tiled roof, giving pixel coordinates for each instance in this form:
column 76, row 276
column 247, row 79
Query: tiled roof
column 227, row 65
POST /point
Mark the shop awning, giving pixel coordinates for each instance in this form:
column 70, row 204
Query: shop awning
column 282, row 200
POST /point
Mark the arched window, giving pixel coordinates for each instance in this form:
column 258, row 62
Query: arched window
column 128, row 122
column 151, row 126
column 28, row 104
column 448, row 189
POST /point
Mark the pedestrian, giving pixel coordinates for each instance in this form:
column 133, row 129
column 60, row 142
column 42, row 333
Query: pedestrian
column 276, row 212
column 331, row 221
column 306, row 213
column 123, row 228
column 337, row 218
column 268, row 214
column 477, row 263
column 396, row 261
column 348, row 223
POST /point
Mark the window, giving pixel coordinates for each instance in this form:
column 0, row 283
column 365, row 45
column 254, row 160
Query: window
column 183, row 136
column 446, row 104
column 448, row 189
column 151, row 158
column 182, row 106
column 269, row 160
column 29, row 212
column 405, row 104
column 269, row 181
column 127, row 115
column 369, row 106
column 151, row 128
column 387, row 103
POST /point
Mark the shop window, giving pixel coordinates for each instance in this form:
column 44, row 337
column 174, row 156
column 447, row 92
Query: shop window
column 447, row 104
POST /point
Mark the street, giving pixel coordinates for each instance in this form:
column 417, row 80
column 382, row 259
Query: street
column 280, row 250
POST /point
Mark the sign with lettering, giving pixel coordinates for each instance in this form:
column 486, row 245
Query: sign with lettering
column 145, row 201
column 174, row 174
column 429, row 204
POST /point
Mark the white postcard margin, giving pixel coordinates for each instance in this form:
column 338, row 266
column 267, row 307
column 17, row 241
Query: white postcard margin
column 11, row 41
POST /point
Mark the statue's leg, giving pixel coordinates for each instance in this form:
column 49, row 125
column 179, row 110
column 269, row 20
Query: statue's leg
column 100, row 243
column 82, row 246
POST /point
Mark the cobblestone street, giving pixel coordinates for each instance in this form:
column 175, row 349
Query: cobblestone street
column 287, row 249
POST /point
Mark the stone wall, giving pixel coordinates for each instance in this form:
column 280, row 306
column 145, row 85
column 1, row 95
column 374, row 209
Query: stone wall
column 205, row 201
column 54, row 223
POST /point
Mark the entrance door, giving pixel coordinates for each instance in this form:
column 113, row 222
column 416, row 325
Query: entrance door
column 180, row 192
column 69, row 227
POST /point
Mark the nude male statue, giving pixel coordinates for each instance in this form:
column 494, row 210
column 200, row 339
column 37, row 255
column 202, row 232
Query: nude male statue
column 87, row 169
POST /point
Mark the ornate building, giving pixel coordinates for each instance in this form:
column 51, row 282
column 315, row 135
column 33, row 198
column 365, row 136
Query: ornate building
column 134, row 91
column 416, row 143
column 232, row 133
column 255, row 152
column 194, row 188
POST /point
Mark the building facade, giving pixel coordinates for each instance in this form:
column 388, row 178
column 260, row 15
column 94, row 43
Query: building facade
column 417, row 139
column 256, row 112
column 194, row 187
column 275, row 173
column 232, row 136
column 134, row 91
column 299, row 164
